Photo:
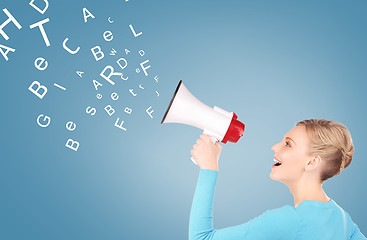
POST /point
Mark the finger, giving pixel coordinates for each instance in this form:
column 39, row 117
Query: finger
column 199, row 141
column 195, row 146
column 204, row 137
column 193, row 153
column 217, row 144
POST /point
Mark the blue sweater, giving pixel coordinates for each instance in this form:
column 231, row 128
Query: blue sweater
column 309, row 220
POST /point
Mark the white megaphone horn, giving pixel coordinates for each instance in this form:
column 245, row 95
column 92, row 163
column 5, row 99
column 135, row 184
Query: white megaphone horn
column 219, row 124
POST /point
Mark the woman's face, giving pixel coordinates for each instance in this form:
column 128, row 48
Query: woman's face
column 293, row 155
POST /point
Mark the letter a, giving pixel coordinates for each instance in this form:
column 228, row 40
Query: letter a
column 96, row 84
column 87, row 16
column 6, row 52
column 79, row 73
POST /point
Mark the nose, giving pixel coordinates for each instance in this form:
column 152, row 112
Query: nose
column 274, row 147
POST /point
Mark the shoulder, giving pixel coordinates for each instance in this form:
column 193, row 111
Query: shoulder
column 277, row 223
column 352, row 229
column 285, row 214
column 280, row 219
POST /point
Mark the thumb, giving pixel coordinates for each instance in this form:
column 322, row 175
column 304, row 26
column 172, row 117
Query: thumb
column 219, row 147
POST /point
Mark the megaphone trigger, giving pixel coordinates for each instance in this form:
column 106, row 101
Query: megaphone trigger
column 210, row 134
column 214, row 140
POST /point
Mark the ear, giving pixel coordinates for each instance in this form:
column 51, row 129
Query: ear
column 313, row 163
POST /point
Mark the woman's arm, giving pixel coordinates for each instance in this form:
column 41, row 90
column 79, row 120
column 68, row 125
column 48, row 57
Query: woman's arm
column 354, row 232
column 201, row 218
column 281, row 223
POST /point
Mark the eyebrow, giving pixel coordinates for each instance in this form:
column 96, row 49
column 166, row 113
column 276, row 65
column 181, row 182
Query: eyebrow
column 291, row 140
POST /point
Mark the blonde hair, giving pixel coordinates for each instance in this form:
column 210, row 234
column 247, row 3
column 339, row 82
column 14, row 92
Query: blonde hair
column 331, row 141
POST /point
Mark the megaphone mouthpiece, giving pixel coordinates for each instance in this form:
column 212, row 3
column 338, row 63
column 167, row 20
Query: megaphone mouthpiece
column 235, row 130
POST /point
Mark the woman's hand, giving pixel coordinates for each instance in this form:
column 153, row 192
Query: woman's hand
column 206, row 153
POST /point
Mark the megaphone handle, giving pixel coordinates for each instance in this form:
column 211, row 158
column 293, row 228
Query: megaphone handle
column 214, row 140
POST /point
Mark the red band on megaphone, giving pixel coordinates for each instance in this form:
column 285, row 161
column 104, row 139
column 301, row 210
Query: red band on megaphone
column 234, row 131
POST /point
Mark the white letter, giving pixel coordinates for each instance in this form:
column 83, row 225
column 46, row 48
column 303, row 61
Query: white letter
column 37, row 8
column 87, row 16
column 70, row 126
column 90, row 110
column 128, row 110
column 10, row 19
column 39, row 86
column 98, row 51
column 47, row 119
column 109, row 110
column 156, row 78
column 38, row 63
column 150, row 113
column 70, row 144
column 39, row 24
column 7, row 50
column 132, row 92
column 114, row 96
column 142, row 66
column 141, row 52
column 110, row 75
column 79, row 73
column 96, row 84
column 68, row 49
column 127, row 51
column 61, row 87
column 106, row 36
column 122, row 77
column 119, row 126
column 118, row 62
column 132, row 29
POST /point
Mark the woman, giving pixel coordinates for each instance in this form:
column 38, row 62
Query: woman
column 311, row 152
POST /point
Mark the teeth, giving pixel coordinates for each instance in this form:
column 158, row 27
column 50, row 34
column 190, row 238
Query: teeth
column 276, row 161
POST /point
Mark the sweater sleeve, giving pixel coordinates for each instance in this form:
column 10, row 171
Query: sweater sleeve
column 354, row 232
column 281, row 223
column 357, row 235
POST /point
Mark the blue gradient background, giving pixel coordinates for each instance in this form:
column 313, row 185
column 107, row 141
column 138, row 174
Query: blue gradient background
column 274, row 63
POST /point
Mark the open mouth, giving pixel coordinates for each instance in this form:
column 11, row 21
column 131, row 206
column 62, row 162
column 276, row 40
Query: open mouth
column 277, row 163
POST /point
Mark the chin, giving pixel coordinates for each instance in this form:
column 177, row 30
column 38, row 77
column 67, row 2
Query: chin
column 274, row 177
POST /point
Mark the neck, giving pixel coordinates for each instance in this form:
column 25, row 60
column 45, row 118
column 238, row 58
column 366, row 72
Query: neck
column 307, row 189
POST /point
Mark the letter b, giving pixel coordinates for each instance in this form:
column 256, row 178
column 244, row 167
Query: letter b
column 74, row 145
column 98, row 52
column 36, row 92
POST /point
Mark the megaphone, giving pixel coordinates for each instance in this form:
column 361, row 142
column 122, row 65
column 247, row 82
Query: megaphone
column 219, row 124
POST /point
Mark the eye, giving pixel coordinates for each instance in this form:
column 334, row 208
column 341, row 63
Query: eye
column 287, row 144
